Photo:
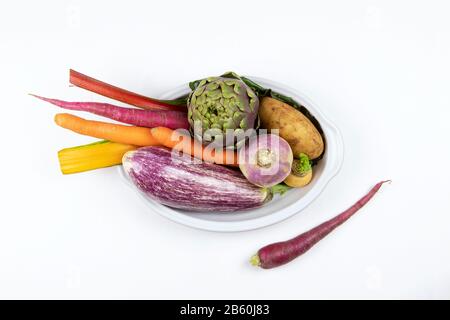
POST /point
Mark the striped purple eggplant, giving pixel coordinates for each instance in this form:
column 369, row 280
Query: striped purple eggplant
column 177, row 181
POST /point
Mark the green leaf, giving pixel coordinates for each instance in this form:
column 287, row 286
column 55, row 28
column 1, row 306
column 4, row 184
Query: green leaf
column 280, row 188
column 260, row 91
column 194, row 84
column 302, row 165
column 181, row 101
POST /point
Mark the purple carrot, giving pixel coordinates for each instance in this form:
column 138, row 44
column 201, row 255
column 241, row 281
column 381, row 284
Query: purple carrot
column 142, row 118
column 277, row 254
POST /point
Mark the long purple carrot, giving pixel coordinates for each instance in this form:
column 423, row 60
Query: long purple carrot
column 277, row 254
column 142, row 118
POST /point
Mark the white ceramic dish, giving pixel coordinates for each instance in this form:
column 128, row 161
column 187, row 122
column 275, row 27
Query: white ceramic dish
column 279, row 208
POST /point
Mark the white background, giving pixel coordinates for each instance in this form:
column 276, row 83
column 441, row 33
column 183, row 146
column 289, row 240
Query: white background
column 379, row 69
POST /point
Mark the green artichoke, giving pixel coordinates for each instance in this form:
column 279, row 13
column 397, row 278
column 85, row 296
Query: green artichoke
column 221, row 109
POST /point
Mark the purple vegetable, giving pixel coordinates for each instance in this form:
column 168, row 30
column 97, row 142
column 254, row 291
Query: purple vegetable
column 277, row 254
column 180, row 182
column 266, row 160
column 142, row 118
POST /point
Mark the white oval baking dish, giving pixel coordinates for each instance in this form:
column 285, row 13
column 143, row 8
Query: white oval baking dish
column 281, row 207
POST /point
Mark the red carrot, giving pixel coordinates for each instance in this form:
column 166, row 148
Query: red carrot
column 142, row 118
column 83, row 81
column 279, row 253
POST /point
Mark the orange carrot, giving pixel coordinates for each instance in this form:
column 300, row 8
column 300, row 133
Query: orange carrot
column 180, row 140
column 137, row 136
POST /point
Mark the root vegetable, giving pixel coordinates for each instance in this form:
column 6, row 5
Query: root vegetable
column 137, row 136
column 265, row 160
column 92, row 156
column 175, row 139
column 301, row 172
column 142, row 118
column 280, row 253
column 83, row 81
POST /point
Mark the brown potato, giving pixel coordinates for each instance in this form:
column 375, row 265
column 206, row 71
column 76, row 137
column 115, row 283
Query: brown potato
column 294, row 127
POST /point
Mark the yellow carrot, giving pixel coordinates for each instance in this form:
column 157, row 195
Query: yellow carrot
column 92, row 156
column 119, row 133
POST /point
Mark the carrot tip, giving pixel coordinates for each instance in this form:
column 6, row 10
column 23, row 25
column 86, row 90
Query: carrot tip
column 255, row 261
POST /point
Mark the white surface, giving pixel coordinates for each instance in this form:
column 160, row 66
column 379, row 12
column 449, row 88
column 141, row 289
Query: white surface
column 379, row 69
column 279, row 208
